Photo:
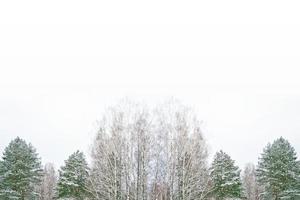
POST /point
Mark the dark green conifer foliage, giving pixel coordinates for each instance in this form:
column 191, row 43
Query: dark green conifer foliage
column 73, row 177
column 278, row 171
column 225, row 176
column 20, row 171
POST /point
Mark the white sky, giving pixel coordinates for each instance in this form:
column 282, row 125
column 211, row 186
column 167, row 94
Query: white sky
column 63, row 62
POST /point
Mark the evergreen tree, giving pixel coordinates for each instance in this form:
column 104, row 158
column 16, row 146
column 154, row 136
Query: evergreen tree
column 73, row 177
column 20, row 171
column 225, row 176
column 278, row 171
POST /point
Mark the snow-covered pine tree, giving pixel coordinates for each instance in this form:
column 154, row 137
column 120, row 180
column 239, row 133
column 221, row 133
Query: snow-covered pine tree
column 278, row 171
column 225, row 176
column 73, row 177
column 20, row 171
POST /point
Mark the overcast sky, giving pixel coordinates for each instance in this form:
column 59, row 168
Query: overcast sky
column 235, row 62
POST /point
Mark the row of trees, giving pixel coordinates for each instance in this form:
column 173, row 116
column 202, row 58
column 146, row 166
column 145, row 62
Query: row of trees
column 143, row 154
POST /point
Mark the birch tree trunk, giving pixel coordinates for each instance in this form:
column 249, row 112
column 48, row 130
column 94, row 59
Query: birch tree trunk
column 140, row 154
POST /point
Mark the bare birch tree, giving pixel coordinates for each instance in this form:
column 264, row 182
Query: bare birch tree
column 250, row 184
column 48, row 184
column 186, row 174
column 140, row 154
column 121, row 154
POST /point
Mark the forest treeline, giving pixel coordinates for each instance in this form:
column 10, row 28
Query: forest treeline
column 149, row 154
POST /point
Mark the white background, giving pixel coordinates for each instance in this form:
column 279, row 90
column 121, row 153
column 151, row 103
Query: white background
column 63, row 62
